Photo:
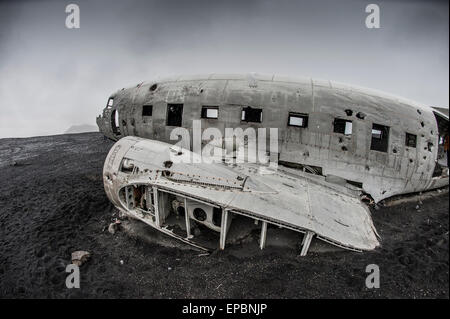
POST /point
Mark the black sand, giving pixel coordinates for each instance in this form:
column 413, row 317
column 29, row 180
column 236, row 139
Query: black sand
column 52, row 203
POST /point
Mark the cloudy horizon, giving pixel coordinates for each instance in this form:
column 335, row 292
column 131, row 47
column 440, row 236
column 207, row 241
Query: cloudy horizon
column 53, row 78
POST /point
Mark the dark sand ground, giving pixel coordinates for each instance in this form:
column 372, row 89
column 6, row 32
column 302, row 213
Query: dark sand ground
column 52, row 202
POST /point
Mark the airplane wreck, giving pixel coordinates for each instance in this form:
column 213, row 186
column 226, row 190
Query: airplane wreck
column 337, row 146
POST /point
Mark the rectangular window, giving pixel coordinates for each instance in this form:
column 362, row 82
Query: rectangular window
column 343, row 126
column 210, row 112
column 110, row 102
column 147, row 110
column 250, row 114
column 174, row 114
column 380, row 138
column 411, row 140
column 298, row 120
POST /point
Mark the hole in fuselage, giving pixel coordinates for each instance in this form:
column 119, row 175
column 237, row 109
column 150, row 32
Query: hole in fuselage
column 168, row 164
column 181, row 210
column 442, row 152
column 360, row 115
column 199, row 214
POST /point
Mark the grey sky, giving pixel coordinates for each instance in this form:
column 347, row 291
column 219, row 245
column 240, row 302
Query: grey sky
column 52, row 77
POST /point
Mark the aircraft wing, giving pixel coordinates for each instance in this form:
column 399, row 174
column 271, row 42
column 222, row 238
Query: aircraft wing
column 288, row 198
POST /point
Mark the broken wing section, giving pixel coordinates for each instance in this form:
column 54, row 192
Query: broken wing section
column 143, row 180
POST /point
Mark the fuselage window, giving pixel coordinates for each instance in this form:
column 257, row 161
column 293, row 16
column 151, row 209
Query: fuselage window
column 298, row 120
column 343, row 126
column 380, row 138
column 411, row 140
column 250, row 114
column 110, row 102
column 147, row 110
column 210, row 112
column 174, row 114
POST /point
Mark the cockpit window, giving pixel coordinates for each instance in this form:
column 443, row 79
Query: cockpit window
column 110, row 102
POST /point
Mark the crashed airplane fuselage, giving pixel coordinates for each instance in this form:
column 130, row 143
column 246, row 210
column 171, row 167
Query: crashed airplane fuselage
column 365, row 140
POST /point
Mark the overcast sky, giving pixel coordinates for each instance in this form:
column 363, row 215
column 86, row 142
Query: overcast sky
column 52, row 77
